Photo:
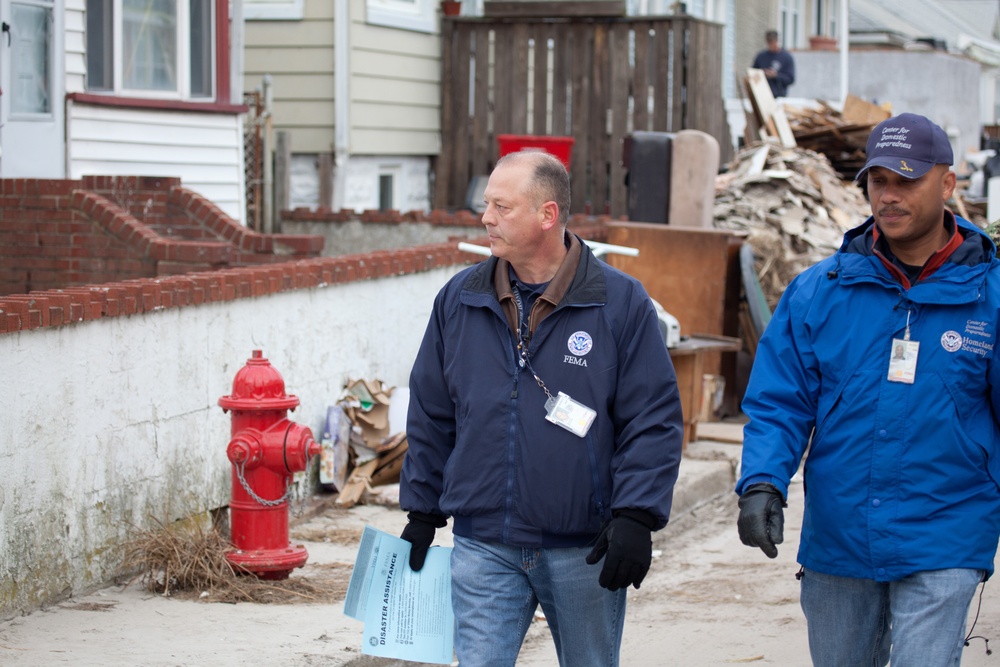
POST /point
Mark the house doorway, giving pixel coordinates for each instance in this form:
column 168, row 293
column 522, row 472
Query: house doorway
column 32, row 88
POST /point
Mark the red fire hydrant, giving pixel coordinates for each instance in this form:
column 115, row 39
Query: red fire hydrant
column 266, row 450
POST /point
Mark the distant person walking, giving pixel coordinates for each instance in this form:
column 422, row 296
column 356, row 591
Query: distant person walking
column 778, row 65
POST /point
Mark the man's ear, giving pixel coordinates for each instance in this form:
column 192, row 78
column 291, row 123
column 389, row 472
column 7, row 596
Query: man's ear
column 948, row 182
column 550, row 214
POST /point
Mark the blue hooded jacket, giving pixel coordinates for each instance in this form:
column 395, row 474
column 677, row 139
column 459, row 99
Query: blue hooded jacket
column 899, row 478
column 480, row 447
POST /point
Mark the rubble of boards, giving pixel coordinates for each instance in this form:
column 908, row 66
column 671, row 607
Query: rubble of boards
column 793, row 206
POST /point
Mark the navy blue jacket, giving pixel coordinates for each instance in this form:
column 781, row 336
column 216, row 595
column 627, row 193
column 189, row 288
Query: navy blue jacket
column 480, row 448
column 899, row 478
column 783, row 63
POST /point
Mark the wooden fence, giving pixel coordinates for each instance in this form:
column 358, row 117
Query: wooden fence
column 594, row 79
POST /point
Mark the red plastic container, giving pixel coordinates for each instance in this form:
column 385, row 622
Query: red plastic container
column 560, row 147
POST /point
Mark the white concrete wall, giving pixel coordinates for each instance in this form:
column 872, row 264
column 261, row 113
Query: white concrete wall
column 410, row 175
column 354, row 236
column 360, row 188
column 109, row 422
column 941, row 86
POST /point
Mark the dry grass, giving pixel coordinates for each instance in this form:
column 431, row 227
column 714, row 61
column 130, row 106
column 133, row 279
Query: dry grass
column 189, row 561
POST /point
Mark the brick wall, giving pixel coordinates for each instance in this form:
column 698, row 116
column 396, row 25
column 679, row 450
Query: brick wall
column 60, row 306
column 69, row 233
column 461, row 218
column 346, row 232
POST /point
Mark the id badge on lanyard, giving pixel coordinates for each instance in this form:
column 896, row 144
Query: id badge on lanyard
column 561, row 410
column 903, row 357
column 572, row 415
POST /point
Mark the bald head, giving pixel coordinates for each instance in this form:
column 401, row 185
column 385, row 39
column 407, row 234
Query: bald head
column 549, row 179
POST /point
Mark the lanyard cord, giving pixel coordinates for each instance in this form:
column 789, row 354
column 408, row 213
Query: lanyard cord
column 523, row 338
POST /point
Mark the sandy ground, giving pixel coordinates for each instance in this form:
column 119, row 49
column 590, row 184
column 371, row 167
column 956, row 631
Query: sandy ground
column 132, row 626
column 707, row 600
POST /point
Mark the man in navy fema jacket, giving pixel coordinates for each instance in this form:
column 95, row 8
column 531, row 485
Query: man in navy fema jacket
column 882, row 361
column 545, row 420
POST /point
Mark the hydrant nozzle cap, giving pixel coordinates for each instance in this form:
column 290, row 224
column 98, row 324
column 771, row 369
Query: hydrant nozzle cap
column 258, row 386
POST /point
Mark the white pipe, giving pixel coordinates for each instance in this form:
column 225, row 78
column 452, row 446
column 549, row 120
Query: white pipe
column 474, row 249
column 237, row 30
column 604, row 248
column 341, row 100
column 845, row 43
column 267, row 149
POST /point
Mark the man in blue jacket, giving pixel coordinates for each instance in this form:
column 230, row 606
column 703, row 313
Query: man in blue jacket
column 777, row 63
column 545, row 420
column 881, row 360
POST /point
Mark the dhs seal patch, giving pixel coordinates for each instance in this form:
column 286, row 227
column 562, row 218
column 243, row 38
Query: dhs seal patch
column 580, row 343
column 951, row 341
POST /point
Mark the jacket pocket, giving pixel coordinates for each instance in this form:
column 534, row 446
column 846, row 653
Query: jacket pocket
column 976, row 424
column 556, row 486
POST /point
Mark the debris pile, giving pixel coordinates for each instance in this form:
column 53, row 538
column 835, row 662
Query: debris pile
column 185, row 559
column 793, row 206
column 363, row 441
column 840, row 135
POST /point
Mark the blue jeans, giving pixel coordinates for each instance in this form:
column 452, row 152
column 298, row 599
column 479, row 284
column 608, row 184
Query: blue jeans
column 919, row 620
column 495, row 590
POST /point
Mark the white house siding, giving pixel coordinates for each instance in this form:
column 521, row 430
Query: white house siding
column 75, row 36
column 395, row 89
column 205, row 150
column 298, row 55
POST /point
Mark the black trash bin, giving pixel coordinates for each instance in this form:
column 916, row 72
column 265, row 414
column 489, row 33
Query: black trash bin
column 646, row 158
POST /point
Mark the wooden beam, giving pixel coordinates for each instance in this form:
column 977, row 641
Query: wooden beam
column 543, row 9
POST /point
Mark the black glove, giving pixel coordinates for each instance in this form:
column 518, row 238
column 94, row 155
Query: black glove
column 761, row 522
column 420, row 533
column 626, row 544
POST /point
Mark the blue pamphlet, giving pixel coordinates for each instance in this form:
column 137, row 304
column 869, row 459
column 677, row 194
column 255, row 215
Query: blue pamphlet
column 407, row 614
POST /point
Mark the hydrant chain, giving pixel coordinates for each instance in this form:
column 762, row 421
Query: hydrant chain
column 252, row 494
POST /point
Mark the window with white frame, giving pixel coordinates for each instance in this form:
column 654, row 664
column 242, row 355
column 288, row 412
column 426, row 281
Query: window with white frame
column 151, row 48
column 791, row 24
column 416, row 15
column 273, row 10
column 827, row 17
column 31, row 57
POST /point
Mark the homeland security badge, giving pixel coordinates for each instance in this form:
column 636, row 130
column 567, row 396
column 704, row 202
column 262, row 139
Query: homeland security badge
column 579, row 344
